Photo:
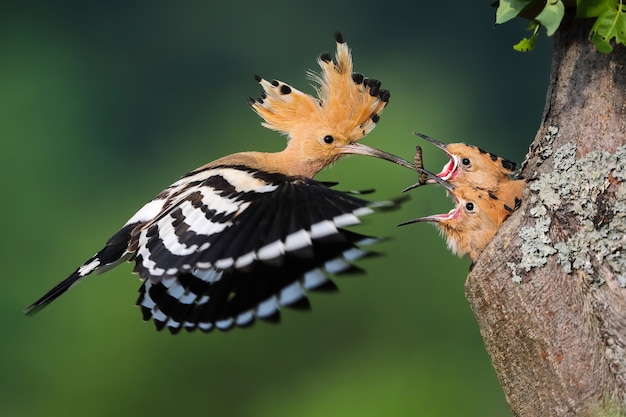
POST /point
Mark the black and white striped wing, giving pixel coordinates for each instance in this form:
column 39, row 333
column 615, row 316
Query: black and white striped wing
column 208, row 299
column 234, row 243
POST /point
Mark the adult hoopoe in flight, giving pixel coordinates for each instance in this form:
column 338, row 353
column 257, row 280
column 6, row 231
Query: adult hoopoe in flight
column 471, row 224
column 470, row 166
column 240, row 236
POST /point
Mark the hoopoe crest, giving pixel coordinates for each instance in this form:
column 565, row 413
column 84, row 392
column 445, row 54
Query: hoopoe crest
column 244, row 235
column 322, row 129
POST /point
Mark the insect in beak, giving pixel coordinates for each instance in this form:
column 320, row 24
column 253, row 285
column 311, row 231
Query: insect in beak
column 451, row 166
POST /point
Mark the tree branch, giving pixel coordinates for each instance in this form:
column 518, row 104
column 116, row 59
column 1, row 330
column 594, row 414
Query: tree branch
column 548, row 292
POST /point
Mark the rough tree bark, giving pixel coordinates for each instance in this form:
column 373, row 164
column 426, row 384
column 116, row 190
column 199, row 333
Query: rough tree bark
column 549, row 291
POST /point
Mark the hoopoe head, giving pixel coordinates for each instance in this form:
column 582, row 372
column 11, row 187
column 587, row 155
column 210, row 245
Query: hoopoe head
column 472, row 166
column 469, row 226
column 322, row 129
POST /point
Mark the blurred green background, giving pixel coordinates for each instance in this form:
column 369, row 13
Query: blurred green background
column 103, row 104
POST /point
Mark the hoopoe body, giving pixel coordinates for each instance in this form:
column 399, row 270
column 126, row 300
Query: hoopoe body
column 239, row 237
column 471, row 166
column 471, row 224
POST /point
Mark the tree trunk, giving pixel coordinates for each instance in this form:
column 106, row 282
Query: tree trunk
column 549, row 291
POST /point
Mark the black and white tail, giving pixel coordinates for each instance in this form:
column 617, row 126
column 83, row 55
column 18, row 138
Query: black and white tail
column 113, row 253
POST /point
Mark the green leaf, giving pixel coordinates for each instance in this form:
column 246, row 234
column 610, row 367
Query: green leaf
column 551, row 15
column 608, row 29
column 593, row 8
column 601, row 44
column 526, row 44
column 508, row 9
column 611, row 24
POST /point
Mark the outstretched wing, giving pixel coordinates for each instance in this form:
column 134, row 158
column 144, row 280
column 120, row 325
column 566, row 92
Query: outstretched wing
column 234, row 217
column 208, row 299
column 227, row 244
column 238, row 243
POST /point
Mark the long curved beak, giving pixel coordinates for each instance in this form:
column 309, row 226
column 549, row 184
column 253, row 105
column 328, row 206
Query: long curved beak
column 360, row 149
column 434, row 141
column 435, row 218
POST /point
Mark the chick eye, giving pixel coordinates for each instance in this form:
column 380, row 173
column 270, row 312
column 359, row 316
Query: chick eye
column 466, row 162
column 469, row 206
column 328, row 139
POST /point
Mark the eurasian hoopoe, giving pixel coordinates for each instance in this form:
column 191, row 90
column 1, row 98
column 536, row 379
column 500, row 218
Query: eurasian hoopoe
column 471, row 224
column 239, row 237
column 470, row 166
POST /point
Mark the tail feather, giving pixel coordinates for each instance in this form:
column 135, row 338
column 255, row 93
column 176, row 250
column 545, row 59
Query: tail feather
column 55, row 293
column 113, row 253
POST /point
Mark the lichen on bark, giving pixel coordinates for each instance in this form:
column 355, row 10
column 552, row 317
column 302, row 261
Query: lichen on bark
column 557, row 339
column 580, row 190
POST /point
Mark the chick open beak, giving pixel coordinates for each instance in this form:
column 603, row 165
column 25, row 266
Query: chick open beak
column 452, row 164
column 435, row 218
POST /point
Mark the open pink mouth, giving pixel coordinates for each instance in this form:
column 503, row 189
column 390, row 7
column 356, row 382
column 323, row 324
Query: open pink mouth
column 454, row 213
column 449, row 170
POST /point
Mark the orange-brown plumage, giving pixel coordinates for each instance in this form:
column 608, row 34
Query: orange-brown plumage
column 471, row 224
column 510, row 192
column 471, row 229
column 320, row 129
column 475, row 167
column 236, row 239
column 471, row 166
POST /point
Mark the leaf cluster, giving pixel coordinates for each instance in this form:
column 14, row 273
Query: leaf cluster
column 609, row 15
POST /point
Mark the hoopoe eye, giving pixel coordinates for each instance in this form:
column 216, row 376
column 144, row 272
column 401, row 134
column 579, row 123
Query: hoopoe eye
column 466, row 162
column 469, row 206
column 328, row 139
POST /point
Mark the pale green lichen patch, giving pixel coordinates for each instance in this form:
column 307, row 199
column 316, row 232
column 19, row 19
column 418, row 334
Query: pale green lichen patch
column 536, row 245
column 514, row 276
column 576, row 195
column 564, row 254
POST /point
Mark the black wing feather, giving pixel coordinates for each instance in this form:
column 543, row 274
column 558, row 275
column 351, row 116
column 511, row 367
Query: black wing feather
column 237, row 291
